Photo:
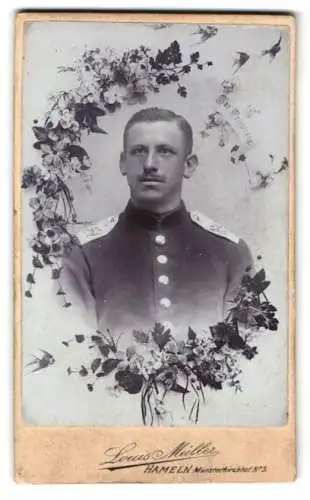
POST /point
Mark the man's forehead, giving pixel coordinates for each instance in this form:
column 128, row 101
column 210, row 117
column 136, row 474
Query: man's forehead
column 155, row 130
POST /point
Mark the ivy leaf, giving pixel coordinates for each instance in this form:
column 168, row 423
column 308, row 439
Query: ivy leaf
column 60, row 292
column 55, row 274
column 191, row 334
column 41, row 134
column 83, row 371
column 182, row 91
column 130, row 382
column 195, row 57
column 186, row 69
column 260, row 276
column 77, row 151
column 97, row 130
column 28, row 294
column 65, row 343
column 108, row 366
column 36, row 262
column 200, row 66
column 178, row 388
column 79, row 338
column 95, row 364
column 140, row 336
column 46, row 260
column 160, row 335
column 30, row 279
column 104, row 349
column 69, row 370
column 90, row 387
column 67, row 304
column 242, row 157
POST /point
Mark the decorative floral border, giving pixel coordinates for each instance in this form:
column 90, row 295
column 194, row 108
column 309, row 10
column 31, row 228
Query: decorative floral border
column 155, row 363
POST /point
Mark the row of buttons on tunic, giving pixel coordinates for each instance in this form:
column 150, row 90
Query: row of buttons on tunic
column 163, row 279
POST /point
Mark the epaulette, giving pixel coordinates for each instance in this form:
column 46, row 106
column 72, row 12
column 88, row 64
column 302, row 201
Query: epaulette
column 97, row 229
column 213, row 227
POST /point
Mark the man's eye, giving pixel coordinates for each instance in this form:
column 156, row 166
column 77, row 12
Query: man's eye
column 138, row 151
column 164, row 150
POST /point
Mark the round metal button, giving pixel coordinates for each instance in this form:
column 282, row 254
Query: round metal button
column 163, row 279
column 160, row 239
column 164, row 302
column 162, row 259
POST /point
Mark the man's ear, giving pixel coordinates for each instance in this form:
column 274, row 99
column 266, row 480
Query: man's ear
column 122, row 163
column 191, row 163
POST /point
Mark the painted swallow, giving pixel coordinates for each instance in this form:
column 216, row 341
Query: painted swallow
column 263, row 180
column 274, row 50
column 242, row 58
column 284, row 166
column 205, row 32
column 42, row 362
column 158, row 26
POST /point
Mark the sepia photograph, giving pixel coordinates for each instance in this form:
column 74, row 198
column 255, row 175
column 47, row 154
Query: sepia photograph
column 154, row 180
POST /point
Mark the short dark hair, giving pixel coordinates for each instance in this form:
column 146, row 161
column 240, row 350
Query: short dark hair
column 157, row 115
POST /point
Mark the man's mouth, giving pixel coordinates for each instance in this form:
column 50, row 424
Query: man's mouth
column 151, row 180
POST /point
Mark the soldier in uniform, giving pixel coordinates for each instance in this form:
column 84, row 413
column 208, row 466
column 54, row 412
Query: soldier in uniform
column 157, row 262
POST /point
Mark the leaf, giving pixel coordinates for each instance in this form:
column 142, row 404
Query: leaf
column 90, row 387
column 200, row 66
column 28, row 294
column 69, row 370
column 140, row 336
column 97, row 339
column 79, row 338
column 195, row 57
column 104, row 349
column 260, row 276
column 160, row 335
column 109, row 365
column 130, row 382
column 242, row 157
column 30, row 278
column 191, row 334
column 60, row 292
column 130, row 352
column 41, row 134
column 46, row 260
column 56, row 274
column 83, row 371
column 36, row 262
column 178, row 388
column 65, row 343
column 67, row 304
column 97, row 130
column 95, row 364
column 236, row 342
column 94, row 110
column 77, row 151
column 262, row 286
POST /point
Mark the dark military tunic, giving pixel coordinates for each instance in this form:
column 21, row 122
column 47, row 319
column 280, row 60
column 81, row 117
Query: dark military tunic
column 180, row 269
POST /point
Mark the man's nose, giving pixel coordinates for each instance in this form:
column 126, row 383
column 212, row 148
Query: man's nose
column 151, row 161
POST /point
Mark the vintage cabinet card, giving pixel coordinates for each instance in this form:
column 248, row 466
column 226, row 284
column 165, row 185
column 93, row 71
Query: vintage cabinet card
column 154, row 248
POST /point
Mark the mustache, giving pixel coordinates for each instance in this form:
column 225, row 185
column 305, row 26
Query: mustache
column 157, row 178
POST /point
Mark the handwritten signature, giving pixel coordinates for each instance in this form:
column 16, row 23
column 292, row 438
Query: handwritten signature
column 121, row 457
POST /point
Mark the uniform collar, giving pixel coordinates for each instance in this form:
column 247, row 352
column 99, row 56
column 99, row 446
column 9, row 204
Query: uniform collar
column 135, row 216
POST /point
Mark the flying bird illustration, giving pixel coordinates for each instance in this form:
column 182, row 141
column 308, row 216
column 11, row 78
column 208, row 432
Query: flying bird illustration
column 41, row 362
column 283, row 166
column 240, row 61
column 263, row 180
column 158, row 26
column 274, row 50
column 205, row 32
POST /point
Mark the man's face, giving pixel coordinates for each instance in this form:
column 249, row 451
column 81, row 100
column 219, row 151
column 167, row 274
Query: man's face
column 155, row 161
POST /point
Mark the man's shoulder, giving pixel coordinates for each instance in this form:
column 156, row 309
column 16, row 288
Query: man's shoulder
column 95, row 230
column 210, row 226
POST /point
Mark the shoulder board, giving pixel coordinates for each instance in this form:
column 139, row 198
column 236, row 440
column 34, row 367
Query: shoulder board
column 212, row 227
column 97, row 229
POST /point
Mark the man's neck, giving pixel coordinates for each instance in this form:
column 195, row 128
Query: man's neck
column 156, row 209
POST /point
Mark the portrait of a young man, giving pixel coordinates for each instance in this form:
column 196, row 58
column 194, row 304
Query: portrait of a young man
column 156, row 262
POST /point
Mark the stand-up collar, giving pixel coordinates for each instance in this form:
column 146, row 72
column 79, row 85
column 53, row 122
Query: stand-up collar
column 135, row 216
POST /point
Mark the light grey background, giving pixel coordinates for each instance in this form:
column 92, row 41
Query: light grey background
column 218, row 189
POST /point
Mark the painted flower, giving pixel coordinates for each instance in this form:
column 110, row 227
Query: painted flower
column 66, row 118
